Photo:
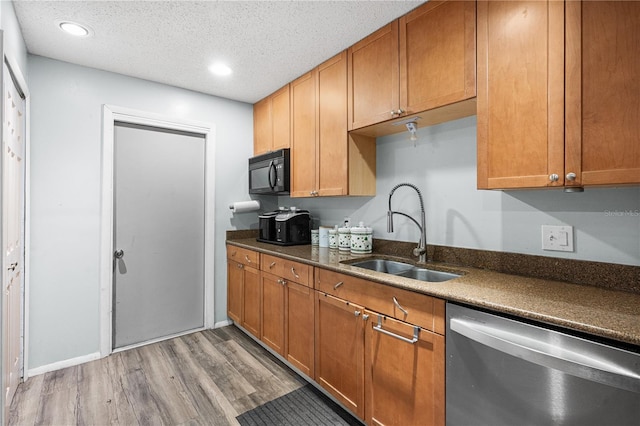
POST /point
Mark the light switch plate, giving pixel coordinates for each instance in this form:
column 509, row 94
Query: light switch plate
column 557, row 238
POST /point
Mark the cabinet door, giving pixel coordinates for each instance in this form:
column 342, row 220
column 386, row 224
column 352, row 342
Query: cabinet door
column 262, row 127
column 437, row 55
column 520, row 94
column 603, row 84
column 273, row 312
column 251, row 299
column 373, row 78
column 332, row 164
column 299, row 327
column 303, row 135
column 404, row 380
column 235, row 290
column 339, row 350
column 281, row 118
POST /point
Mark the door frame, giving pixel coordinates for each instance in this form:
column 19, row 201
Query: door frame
column 111, row 114
column 21, row 84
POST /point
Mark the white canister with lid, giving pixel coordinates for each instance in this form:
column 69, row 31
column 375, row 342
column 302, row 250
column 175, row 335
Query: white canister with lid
column 361, row 239
column 333, row 238
column 344, row 238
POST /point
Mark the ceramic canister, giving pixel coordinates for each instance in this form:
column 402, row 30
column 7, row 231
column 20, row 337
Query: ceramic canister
column 315, row 237
column 344, row 239
column 361, row 239
column 333, row 239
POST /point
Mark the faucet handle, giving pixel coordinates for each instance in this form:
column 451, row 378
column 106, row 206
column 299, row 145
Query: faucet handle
column 419, row 251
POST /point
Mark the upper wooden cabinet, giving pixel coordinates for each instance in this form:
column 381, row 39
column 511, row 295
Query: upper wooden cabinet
column 543, row 125
column 422, row 61
column 325, row 159
column 602, row 122
column 271, row 125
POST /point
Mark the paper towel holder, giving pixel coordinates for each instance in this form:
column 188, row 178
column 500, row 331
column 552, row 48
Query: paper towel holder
column 245, row 206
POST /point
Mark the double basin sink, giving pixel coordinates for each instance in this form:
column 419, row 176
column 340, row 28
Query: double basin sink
column 402, row 269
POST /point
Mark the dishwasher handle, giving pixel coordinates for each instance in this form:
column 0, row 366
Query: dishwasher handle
column 594, row 368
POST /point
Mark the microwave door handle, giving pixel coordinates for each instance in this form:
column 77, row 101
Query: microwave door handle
column 273, row 172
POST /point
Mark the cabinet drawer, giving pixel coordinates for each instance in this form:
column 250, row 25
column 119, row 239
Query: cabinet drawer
column 415, row 308
column 244, row 256
column 288, row 269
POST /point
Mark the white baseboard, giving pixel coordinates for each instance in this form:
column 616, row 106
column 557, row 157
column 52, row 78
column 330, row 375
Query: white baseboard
column 63, row 364
column 222, row 323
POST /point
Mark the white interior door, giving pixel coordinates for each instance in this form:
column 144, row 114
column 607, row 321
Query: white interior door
column 13, row 144
column 159, row 241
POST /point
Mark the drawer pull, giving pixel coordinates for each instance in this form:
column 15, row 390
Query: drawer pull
column 282, row 282
column 395, row 302
column 335, row 287
column 378, row 328
column 247, row 258
column 272, row 265
column 293, row 271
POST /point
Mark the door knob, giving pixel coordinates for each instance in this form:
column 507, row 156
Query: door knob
column 119, row 254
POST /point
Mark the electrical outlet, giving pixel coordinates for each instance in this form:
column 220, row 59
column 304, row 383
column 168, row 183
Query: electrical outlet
column 557, row 238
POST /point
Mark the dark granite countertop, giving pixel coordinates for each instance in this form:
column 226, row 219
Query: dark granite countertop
column 603, row 312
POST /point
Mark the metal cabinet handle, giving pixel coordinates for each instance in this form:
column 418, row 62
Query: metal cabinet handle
column 282, row 282
column 378, row 328
column 293, row 271
column 335, row 287
column 247, row 258
column 554, row 177
column 240, row 265
column 571, row 176
column 272, row 265
column 395, row 302
column 365, row 317
column 356, row 313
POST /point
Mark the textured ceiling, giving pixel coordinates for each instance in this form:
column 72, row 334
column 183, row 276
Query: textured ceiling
column 266, row 43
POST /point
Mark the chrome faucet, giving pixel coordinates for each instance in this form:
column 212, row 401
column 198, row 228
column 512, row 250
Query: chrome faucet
column 421, row 250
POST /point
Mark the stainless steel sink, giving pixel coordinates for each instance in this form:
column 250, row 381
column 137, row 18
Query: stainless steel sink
column 383, row 265
column 402, row 269
column 428, row 275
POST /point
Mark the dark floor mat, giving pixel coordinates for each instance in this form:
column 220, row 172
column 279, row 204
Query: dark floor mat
column 304, row 406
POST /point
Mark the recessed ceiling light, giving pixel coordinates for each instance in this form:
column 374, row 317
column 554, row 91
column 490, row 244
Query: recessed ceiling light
column 220, row 69
column 74, row 28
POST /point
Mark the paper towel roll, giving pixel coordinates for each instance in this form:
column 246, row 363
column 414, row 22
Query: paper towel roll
column 245, row 206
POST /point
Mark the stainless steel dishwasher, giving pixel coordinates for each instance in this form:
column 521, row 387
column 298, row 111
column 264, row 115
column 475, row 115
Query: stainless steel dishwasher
column 505, row 372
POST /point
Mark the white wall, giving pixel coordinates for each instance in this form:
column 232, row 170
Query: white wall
column 66, row 117
column 443, row 165
column 14, row 46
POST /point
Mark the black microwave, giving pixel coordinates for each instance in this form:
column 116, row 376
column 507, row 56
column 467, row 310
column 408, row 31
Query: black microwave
column 269, row 173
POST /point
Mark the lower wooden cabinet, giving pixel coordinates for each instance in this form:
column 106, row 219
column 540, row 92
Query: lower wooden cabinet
column 299, row 331
column 346, row 336
column 243, row 289
column 273, row 312
column 404, row 373
column 340, row 350
column 251, row 301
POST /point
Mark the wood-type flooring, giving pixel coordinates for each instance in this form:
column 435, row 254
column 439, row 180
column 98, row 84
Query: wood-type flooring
column 204, row 378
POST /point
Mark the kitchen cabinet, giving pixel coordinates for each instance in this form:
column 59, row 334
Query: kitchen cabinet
column 422, row 61
column 602, row 107
column 243, row 288
column 288, row 311
column 557, row 103
column 339, row 343
column 364, row 349
column 325, row 159
column 404, row 373
column 271, row 122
